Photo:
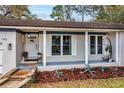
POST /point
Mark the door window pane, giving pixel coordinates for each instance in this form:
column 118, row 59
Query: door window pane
column 92, row 45
column 99, row 47
column 66, row 45
column 56, row 45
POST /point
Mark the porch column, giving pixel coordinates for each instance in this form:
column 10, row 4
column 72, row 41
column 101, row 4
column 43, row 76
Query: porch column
column 86, row 47
column 44, row 47
column 117, row 46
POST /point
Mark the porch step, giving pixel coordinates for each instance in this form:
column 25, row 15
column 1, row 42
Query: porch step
column 17, row 78
column 29, row 62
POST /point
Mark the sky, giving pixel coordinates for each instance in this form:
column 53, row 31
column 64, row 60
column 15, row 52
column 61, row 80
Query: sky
column 43, row 12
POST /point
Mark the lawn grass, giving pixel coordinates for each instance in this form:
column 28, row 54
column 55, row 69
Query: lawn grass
column 89, row 83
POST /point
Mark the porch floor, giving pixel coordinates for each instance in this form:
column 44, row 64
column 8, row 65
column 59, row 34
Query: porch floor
column 73, row 63
column 66, row 65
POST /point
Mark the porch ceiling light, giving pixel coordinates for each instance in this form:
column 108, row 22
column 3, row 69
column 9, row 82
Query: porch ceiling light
column 29, row 35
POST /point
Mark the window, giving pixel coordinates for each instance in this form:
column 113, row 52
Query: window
column 61, row 45
column 66, row 45
column 56, row 45
column 99, row 45
column 92, row 45
column 96, row 46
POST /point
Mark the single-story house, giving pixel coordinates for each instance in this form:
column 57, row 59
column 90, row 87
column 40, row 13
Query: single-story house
column 55, row 44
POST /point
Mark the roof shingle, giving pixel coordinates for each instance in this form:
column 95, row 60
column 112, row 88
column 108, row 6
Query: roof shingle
column 59, row 24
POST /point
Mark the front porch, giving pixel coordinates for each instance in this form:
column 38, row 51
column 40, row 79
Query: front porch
column 50, row 61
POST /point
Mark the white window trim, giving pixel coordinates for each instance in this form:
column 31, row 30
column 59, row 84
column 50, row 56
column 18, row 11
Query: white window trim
column 96, row 43
column 61, row 44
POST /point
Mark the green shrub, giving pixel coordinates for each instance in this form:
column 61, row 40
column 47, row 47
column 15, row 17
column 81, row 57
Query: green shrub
column 88, row 69
column 58, row 74
column 102, row 69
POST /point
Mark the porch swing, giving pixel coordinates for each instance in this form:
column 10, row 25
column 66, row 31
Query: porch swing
column 108, row 52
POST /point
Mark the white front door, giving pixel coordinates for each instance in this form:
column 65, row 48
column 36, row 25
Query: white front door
column 32, row 45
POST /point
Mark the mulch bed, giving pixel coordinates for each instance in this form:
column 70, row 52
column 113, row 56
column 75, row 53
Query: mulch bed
column 75, row 74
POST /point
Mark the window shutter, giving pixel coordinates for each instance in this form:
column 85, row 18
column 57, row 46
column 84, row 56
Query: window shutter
column 48, row 45
column 74, row 45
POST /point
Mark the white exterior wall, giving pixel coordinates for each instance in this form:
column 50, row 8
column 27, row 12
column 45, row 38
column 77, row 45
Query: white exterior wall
column 79, row 45
column 19, row 48
column 41, row 43
column 93, row 56
column 112, row 37
column 121, row 48
column 9, row 56
column 80, row 49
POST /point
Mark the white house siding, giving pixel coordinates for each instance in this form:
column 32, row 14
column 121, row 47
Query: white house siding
column 79, row 49
column 112, row 37
column 79, row 41
column 19, row 47
column 9, row 56
column 78, row 56
column 121, row 48
column 41, row 43
column 94, row 57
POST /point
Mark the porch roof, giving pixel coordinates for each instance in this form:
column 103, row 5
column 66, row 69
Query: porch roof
column 59, row 24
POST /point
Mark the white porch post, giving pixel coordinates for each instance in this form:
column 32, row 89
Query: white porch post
column 86, row 47
column 44, row 48
column 117, row 46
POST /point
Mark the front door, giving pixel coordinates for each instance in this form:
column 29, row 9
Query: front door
column 32, row 45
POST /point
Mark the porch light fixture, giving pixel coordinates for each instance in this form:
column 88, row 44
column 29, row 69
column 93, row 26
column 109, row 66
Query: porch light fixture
column 29, row 35
column 10, row 46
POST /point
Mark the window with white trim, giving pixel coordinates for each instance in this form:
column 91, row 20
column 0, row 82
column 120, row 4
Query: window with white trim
column 92, row 45
column 96, row 44
column 99, row 45
column 66, row 45
column 56, row 45
column 61, row 45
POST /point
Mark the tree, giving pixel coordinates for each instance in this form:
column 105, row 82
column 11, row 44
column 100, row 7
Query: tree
column 57, row 13
column 19, row 10
column 4, row 10
column 66, row 12
column 62, row 13
column 109, row 14
column 83, row 10
column 14, row 11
